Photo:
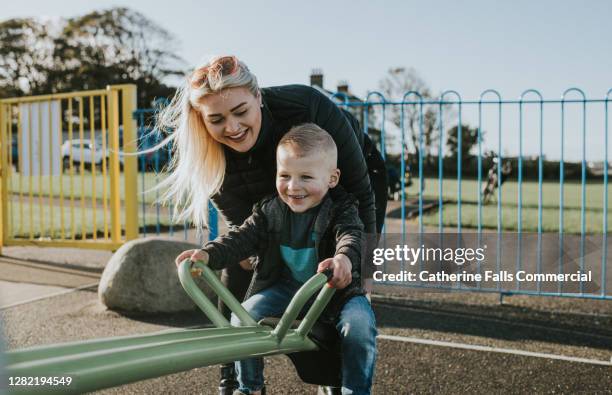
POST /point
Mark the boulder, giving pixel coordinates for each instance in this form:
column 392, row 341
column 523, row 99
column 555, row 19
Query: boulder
column 141, row 276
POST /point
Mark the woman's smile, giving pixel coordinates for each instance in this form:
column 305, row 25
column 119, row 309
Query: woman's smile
column 240, row 136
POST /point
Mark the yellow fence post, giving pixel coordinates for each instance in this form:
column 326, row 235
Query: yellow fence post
column 113, row 129
column 130, row 172
column 117, row 103
column 3, row 174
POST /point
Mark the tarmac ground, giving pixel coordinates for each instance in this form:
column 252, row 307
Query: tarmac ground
column 429, row 342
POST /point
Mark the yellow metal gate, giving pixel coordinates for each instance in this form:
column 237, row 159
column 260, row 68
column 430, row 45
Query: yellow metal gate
column 65, row 180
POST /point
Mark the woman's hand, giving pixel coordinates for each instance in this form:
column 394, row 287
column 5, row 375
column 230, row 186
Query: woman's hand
column 342, row 270
column 193, row 255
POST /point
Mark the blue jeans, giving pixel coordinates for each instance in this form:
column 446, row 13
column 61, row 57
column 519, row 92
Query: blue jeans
column 356, row 325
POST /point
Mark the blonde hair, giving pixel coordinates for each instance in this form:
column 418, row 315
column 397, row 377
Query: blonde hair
column 197, row 168
column 309, row 138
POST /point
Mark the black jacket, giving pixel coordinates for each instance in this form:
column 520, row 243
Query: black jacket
column 250, row 176
column 337, row 229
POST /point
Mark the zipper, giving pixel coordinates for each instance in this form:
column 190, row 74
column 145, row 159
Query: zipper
column 251, row 285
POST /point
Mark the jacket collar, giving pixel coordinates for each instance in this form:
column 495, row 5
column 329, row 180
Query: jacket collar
column 321, row 222
column 323, row 218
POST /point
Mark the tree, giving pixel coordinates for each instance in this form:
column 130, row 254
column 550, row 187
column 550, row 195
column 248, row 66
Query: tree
column 113, row 46
column 118, row 45
column 26, row 52
column 394, row 85
column 469, row 139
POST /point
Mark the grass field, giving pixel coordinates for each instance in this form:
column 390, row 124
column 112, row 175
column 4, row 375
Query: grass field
column 80, row 214
column 88, row 186
column 509, row 208
column 32, row 221
column 85, row 185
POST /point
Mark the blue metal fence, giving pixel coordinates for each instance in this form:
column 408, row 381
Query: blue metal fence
column 536, row 136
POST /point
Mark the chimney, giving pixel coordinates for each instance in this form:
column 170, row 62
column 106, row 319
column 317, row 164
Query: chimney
column 316, row 78
column 343, row 87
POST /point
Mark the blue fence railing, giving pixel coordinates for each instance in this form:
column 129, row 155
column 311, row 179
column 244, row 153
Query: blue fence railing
column 528, row 167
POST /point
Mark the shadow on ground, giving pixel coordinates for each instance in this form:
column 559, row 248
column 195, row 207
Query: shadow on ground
column 500, row 322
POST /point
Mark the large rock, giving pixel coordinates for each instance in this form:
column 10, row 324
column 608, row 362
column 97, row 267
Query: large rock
column 141, row 276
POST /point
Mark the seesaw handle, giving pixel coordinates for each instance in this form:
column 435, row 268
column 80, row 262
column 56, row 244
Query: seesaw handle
column 202, row 301
column 315, row 283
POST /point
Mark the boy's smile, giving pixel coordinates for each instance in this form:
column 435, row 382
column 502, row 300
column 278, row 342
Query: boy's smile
column 303, row 181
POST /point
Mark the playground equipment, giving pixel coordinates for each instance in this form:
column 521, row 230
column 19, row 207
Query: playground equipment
column 103, row 363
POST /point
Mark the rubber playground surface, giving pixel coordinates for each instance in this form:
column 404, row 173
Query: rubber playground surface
column 428, row 342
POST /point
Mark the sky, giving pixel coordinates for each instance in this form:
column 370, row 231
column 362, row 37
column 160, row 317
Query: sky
column 466, row 46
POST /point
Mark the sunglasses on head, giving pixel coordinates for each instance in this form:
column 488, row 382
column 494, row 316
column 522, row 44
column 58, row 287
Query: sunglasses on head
column 225, row 65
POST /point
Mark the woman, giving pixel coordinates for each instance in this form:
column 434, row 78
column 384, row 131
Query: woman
column 225, row 132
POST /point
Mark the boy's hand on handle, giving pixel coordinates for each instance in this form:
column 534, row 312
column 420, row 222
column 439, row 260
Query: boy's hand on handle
column 341, row 266
column 193, row 255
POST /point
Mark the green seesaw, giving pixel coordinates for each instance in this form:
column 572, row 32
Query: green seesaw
column 102, row 363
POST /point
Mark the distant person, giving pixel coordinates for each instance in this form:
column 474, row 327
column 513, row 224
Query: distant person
column 225, row 129
column 310, row 225
column 394, row 181
column 492, row 181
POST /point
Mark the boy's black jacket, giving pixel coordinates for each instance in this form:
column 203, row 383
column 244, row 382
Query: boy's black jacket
column 250, row 176
column 337, row 228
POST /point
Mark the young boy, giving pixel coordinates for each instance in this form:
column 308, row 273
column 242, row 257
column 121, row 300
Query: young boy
column 311, row 225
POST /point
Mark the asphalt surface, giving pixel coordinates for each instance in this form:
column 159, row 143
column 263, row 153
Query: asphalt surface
column 402, row 367
column 55, row 310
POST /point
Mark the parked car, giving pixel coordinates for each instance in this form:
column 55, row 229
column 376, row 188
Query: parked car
column 84, row 152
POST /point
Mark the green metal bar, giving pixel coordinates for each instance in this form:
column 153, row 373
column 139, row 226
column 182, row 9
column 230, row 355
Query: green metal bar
column 102, row 369
column 117, row 343
column 226, row 296
column 297, row 303
column 315, row 310
column 192, row 289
